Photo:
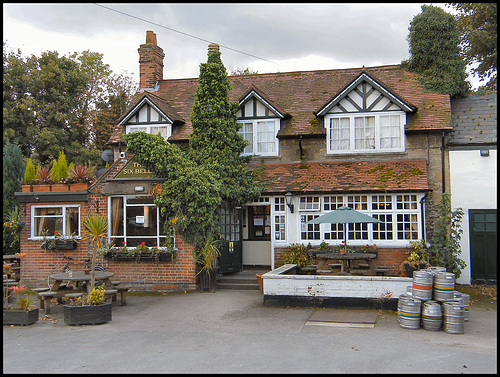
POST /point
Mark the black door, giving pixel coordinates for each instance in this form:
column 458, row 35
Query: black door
column 483, row 246
column 230, row 259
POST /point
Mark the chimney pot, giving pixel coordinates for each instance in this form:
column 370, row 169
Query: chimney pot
column 213, row 47
column 150, row 37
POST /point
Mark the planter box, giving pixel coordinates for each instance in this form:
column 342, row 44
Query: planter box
column 208, row 279
column 20, row 317
column 162, row 257
column 26, row 188
column 282, row 287
column 87, row 315
column 41, row 188
column 60, row 245
column 60, row 187
column 79, row 186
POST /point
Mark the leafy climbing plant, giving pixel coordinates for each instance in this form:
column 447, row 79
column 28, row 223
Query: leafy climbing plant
column 445, row 248
column 211, row 171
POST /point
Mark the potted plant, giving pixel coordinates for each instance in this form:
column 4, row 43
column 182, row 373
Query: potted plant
column 298, row 254
column 90, row 311
column 23, row 313
column 207, row 257
column 417, row 259
column 29, row 176
column 79, row 178
column 96, row 227
column 42, row 180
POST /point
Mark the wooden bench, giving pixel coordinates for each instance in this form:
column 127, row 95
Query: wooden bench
column 325, row 272
column 73, row 295
column 44, row 298
column 382, row 270
column 122, row 290
column 110, row 294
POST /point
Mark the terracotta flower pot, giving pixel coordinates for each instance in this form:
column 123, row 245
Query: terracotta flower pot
column 60, row 187
column 26, row 188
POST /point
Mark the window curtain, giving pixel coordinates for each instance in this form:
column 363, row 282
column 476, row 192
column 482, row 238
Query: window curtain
column 116, row 210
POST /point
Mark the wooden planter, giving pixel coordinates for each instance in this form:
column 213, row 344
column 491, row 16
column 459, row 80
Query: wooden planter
column 87, row 315
column 79, row 186
column 60, row 245
column 20, row 317
column 208, row 279
column 60, row 187
column 162, row 257
column 41, row 188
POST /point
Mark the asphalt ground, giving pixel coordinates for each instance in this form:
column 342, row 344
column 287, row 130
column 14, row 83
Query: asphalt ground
column 231, row 331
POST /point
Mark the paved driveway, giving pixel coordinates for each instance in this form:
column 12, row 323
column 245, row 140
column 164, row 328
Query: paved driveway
column 232, row 332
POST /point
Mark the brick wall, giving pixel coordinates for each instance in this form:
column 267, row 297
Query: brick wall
column 177, row 275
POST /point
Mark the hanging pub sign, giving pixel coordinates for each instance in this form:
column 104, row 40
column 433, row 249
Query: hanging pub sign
column 133, row 169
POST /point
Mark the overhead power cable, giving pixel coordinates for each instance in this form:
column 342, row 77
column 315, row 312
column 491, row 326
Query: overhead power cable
column 181, row 32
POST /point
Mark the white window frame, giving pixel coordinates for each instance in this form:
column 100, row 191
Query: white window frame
column 63, row 216
column 255, row 136
column 151, row 206
column 377, row 146
column 147, row 128
column 409, row 207
column 280, row 227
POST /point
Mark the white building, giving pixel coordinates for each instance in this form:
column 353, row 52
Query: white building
column 473, row 181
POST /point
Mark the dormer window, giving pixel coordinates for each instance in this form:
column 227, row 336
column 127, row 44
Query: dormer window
column 365, row 132
column 365, row 117
column 260, row 123
column 146, row 116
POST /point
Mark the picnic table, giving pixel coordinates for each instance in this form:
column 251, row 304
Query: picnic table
column 80, row 277
column 58, row 290
column 345, row 259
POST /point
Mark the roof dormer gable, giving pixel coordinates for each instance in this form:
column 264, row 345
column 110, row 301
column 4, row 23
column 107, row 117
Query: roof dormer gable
column 364, row 94
column 255, row 105
column 145, row 111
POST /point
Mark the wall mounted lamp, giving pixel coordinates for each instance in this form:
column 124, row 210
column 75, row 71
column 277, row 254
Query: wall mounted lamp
column 288, row 200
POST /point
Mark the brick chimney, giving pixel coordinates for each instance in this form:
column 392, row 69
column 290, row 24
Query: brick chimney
column 150, row 62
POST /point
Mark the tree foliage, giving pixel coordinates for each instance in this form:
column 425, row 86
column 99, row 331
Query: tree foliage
column 434, row 45
column 13, row 172
column 53, row 102
column 211, row 172
column 477, row 23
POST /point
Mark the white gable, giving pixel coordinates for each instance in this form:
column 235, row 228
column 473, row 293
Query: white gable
column 364, row 95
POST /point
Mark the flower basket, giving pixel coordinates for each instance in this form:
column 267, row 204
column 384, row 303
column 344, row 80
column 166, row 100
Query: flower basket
column 121, row 256
column 87, row 314
column 20, row 317
column 59, row 245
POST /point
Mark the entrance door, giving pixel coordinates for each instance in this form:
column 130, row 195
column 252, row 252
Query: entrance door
column 230, row 259
column 257, row 244
column 483, row 246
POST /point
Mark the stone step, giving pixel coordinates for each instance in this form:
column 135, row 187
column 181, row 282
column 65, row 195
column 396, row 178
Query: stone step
column 239, row 286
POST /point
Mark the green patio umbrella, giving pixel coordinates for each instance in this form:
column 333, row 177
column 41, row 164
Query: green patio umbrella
column 344, row 215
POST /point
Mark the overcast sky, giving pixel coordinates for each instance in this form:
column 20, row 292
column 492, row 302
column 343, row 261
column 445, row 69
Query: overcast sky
column 268, row 37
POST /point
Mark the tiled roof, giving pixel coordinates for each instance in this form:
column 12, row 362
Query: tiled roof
column 300, row 94
column 341, row 177
column 474, row 120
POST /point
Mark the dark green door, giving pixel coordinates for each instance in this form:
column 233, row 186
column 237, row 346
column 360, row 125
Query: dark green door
column 483, row 246
column 230, row 259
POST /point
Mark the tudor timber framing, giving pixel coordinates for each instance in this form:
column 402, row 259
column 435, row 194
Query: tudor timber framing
column 363, row 79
